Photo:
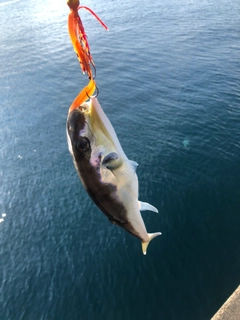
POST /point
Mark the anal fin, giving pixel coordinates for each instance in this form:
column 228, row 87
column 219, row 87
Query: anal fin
column 146, row 206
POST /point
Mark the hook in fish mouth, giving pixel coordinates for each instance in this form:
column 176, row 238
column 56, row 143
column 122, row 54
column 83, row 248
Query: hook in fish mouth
column 94, row 74
column 97, row 92
column 96, row 95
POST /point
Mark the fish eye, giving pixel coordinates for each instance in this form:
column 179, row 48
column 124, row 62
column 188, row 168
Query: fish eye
column 83, row 144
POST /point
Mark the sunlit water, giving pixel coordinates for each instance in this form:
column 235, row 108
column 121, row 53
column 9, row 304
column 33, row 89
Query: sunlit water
column 169, row 79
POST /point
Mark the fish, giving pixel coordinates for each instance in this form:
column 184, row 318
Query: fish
column 106, row 173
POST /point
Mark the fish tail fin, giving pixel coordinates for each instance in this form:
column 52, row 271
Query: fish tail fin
column 150, row 237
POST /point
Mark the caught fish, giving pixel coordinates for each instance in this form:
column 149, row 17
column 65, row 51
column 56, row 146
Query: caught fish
column 107, row 174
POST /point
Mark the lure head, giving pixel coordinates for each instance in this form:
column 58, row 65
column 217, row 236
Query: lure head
column 73, row 4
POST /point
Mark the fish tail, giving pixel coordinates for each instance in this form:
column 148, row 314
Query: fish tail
column 150, row 237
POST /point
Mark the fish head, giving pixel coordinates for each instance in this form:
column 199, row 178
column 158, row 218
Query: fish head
column 92, row 141
column 79, row 135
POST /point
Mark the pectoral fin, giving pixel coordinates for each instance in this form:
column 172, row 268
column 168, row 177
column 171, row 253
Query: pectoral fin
column 145, row 244
column 112, row 161
column 146, row 206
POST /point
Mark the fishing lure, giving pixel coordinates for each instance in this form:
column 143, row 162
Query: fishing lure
column 82, row 49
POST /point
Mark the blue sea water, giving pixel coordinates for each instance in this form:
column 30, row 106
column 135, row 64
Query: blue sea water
column 168, row 73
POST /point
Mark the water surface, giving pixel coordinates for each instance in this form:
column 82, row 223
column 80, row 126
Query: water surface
column 169, row 78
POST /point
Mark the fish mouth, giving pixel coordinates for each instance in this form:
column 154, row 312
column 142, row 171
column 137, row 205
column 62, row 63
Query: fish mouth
column 91, row 110
column 88, row 109
column 83, row 96
column 85, row 108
